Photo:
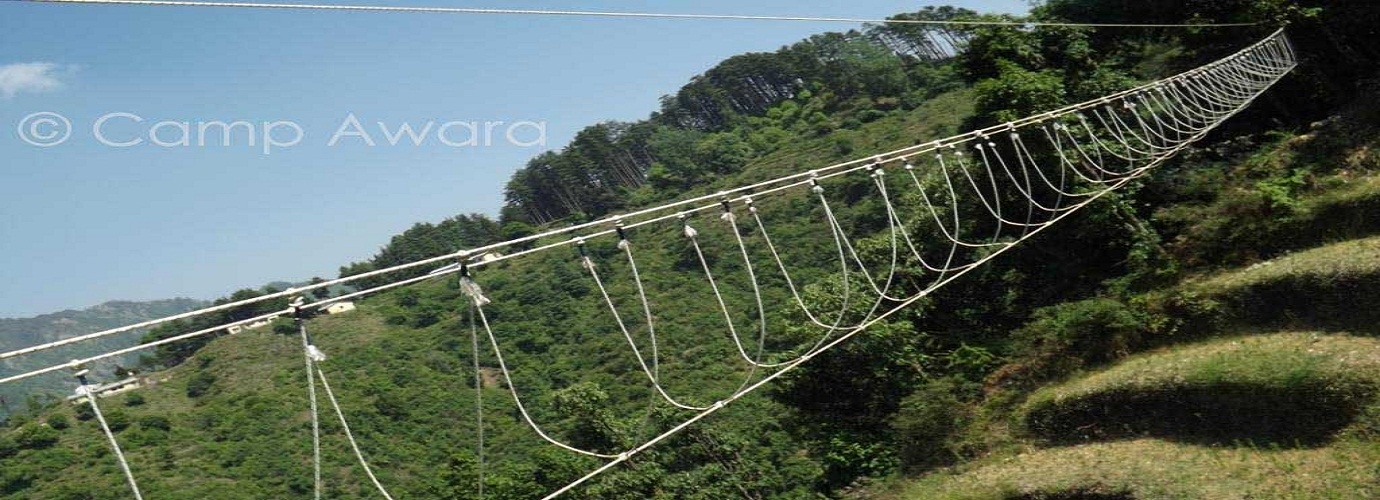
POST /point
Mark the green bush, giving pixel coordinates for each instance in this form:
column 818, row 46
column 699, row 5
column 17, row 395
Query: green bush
column 35, row 437
column 200, row 384
column 871, row 115
column 134, row 399
column 117, row 420
column 1017, row 92
column 1091, row 331
column 155, row 422
column 8, row 447
column 284, row 328
column 1185, row 315
column 925, row 425
column 58, row 421
column 83, row 412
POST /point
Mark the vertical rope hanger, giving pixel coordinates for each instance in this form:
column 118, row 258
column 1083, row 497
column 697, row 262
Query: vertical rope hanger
column 481, row 465
column 88, row 389
column 313, row 356
column 310, row 355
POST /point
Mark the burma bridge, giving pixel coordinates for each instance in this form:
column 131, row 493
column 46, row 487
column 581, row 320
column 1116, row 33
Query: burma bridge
column 1016, row 179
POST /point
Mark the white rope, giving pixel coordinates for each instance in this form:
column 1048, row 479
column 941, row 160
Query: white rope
column 109, row 435
column 626, row 247
column 651, row 15
column 692, row 234
column 785, row 369
column 477, row 297
column 841, row 234
column 588, row 264
column 350, row 435
column 308, row 358
column 845, row 295
column 478, row 404
column 732, row 220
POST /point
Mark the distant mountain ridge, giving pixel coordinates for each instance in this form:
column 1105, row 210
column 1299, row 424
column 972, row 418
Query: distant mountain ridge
column 17, row 333
column 20, row 332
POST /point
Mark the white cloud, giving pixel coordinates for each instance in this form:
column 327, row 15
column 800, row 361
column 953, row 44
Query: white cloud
column 33, row 77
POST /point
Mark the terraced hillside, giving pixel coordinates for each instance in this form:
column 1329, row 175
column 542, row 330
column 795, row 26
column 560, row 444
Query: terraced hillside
column 1251, row 413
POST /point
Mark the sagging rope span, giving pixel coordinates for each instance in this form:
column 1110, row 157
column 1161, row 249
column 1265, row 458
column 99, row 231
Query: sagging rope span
column 1095, row 148
column 314, row 356
column 1017, row 178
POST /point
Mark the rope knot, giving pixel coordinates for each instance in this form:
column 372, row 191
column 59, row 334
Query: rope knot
column 472, row 289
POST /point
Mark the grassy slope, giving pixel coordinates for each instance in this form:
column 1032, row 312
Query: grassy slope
column 1171, row 468
column 1153, row 469
column 1113, row 411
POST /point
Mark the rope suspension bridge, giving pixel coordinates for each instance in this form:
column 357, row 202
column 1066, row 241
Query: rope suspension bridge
column 948, row 207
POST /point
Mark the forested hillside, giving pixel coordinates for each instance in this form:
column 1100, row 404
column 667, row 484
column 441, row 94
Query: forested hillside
column 984, row 372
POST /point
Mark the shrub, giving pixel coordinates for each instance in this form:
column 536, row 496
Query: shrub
column 871, row 115
column 134, row 399
column 117, row 420
column 285, row 328
column 35, row 437
column 1017, row 92
column 84, row 413
column 8, row 447
column 155, row 422
column 1086, row 332
column 58, row 422
column 926, row 423
column 200, row 384
column 1186, row 314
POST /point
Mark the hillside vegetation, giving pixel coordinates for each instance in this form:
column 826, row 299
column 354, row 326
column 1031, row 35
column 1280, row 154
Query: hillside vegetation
column 981, row 390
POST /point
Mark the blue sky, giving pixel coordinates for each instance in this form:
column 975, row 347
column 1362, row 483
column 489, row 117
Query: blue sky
column 83, row 222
